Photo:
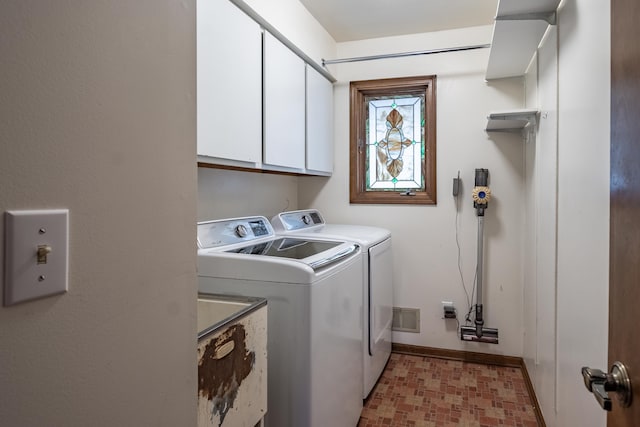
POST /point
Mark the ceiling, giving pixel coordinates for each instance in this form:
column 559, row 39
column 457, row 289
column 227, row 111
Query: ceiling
column 348, row 20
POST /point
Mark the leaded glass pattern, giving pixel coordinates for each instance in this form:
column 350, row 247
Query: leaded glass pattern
column 395, row 146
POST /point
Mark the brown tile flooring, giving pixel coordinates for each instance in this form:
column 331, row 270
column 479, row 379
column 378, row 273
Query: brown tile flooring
column 425, row 391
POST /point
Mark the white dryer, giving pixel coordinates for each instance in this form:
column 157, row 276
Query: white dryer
column 314, row 301
column 377, row 280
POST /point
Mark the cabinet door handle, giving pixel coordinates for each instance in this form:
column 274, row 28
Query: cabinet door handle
column 224, row 350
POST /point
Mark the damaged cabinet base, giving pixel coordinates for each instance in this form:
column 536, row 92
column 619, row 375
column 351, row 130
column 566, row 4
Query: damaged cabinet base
column 232, row 371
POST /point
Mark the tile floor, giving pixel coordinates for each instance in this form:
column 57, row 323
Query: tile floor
column 425, row 391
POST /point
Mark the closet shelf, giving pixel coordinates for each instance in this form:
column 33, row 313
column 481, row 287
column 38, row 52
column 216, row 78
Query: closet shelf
column 518, row 29
column 511, row 121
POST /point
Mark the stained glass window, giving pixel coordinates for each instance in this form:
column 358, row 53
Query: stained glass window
column 395, row 151
column 393, row 141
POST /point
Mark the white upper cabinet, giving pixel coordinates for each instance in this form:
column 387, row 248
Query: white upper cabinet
column 229, row 85
column 254, row 109
column 284, row 106
column 517, row 32
column 319, row 123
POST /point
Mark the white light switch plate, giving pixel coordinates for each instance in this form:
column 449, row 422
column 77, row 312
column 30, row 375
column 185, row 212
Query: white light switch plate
column 25, row 231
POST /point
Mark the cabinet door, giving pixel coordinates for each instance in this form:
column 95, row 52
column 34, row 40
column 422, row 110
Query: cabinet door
column 232, row 373
column 319, row 123
column 229, row 83
column 284, row 106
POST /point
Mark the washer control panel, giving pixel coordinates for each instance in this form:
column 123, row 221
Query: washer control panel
column 228, row 231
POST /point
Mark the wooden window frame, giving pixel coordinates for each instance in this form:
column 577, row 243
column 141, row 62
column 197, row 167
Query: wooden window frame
column 358, row 90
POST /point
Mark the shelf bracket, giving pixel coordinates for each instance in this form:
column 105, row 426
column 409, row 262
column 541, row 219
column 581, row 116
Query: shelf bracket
column 513, row 121
column 531, row 118
column 550, row 18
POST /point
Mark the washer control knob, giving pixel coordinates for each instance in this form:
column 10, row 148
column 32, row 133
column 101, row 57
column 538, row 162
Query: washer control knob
column 241, row 230
column 306, row 219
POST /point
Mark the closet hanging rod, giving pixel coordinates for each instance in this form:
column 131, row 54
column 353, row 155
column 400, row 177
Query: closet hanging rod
column 402, row 54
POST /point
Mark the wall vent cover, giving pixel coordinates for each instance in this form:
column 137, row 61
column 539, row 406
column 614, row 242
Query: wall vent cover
column 406, row 319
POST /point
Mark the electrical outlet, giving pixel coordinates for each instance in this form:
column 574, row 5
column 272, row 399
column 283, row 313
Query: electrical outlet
column 449, row 310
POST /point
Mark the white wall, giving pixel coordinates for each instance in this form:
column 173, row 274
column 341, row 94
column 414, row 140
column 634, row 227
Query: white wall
column 229, row 194
column 529, row 241
column 425, row 263
column 567, row 272
column 295, row 22
column 540, row 241
column 97, row 115
column 583, row 204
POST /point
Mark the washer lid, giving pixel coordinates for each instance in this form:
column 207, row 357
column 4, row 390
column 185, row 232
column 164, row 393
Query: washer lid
column 251, row 240
column 294, row 248
column 314, row 253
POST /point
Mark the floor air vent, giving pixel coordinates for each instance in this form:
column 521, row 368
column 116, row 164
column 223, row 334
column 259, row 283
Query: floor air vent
column 406, row 319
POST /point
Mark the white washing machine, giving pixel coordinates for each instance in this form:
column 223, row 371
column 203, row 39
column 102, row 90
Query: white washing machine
column 377, row 280
column 314, row 301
